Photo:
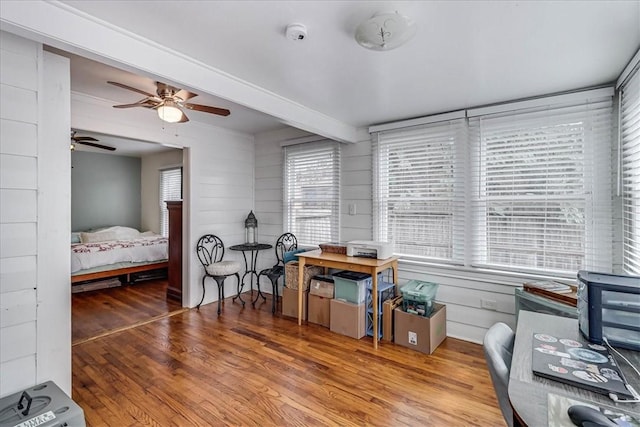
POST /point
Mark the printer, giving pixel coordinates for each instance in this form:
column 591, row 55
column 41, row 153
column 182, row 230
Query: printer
column 369, row 249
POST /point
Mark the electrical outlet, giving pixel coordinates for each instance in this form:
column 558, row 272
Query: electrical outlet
column 413, row 338
column 488, row 304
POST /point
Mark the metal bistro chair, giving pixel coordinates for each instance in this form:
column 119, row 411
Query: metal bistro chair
column 210, row 251
column 498, row 351
column 285, row 243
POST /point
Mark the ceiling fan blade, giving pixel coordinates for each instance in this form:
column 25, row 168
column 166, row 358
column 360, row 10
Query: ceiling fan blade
column 184, row 118
column 150, row 95
column 137, row 104
column 84, row 138
column 91, row 144
column 146, row 103
column 185, row 95
column 207, row 109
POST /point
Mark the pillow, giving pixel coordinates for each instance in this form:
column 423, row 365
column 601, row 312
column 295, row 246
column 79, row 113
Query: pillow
column 100, row 236
column 125, row 233
column 290, row 255
column 75, row 237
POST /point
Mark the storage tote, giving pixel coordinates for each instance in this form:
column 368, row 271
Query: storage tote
column 351, row 286
column 418, row 297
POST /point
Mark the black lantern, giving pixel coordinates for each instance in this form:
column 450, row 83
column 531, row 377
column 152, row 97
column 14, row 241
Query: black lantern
column 251, row 229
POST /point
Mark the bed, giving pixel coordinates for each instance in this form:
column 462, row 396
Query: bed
column 116, row 251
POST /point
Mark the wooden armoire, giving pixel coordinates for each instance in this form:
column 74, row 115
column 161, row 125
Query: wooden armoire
column 174, row 290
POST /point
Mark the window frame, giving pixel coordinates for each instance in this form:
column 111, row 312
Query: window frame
column 297, row 200
column 468, row 257
column 629, row 170
column 171, row 193
column 442, row 136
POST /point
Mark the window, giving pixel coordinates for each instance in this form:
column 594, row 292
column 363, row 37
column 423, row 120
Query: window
column 419, row 199
column 630, row 171
column 541, row 191
column 522, row 186
column 170, row 189
column 312, row 191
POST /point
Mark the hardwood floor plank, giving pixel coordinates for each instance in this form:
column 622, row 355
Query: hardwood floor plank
column 248, row 367
column 97, row 312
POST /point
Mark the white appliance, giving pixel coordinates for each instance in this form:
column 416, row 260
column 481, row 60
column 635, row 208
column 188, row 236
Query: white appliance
column 369, row 249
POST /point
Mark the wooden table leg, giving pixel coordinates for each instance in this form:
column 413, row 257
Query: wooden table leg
column 301, row 262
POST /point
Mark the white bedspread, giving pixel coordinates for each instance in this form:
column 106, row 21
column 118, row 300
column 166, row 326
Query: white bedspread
column 90, row 255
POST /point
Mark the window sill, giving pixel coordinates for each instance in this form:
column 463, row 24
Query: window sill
column 512, row 278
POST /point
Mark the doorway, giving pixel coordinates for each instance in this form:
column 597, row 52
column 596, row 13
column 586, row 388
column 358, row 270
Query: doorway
column 118, row 185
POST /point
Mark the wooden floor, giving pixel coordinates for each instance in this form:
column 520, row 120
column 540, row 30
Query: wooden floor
column 95, row 313
column 250, row 368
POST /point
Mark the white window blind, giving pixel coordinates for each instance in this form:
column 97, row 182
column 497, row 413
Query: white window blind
column 541, row 188
column 170, row 189
column 312, row 191
column 419, row 189
column 630, row 135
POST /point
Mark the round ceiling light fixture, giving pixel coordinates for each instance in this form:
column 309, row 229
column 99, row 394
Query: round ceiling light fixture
column 169, row 111
column 385, row 31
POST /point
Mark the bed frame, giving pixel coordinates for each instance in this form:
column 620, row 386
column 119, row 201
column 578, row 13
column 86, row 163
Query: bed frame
column 127, row 271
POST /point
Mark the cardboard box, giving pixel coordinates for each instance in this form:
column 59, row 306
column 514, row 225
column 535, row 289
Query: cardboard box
column 322, row 286
column 291, row 274
column 347, row 318
column 319, row 310
column 420, row 333
column 290, row 303
column 387, row 317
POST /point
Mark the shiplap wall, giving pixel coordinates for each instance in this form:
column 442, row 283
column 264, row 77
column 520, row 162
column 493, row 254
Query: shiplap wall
column 18, row 211
column 462, row 291
column 269, row 191
column 35, row 316
column 35, row 292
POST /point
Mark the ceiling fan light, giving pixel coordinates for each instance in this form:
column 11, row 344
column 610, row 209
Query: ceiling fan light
column 169, row 112
column 385, row 31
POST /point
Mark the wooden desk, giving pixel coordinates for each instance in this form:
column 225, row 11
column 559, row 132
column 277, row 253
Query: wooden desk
column 343, row 262
column 528, row 392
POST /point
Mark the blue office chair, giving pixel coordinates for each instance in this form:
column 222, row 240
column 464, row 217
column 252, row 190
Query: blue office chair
column 210, row 250
column 498, row 351
column 285, row 243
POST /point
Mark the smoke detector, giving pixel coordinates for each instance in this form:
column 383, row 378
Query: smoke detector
column 296, row 32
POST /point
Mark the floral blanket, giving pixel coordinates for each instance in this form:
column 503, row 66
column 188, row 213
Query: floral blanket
column 143, row 249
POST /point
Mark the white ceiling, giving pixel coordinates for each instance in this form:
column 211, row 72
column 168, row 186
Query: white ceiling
column 123, row 146
column 90, row 77
column 464, row 54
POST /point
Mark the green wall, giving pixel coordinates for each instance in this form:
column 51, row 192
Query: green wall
column 105, row 191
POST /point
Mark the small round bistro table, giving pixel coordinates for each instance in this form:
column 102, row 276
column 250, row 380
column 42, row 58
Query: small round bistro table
column 250, row 255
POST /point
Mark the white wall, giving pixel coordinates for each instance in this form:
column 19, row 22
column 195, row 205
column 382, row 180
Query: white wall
column 35, row 309
column 151, row 166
